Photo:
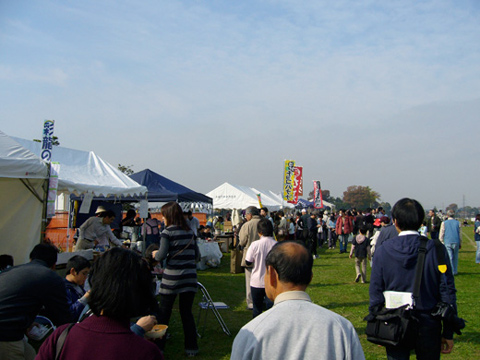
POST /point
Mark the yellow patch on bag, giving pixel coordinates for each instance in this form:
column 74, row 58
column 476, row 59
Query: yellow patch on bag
column 442, row 268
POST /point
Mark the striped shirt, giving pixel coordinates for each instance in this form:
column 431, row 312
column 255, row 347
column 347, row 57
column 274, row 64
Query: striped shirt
column 177, row 246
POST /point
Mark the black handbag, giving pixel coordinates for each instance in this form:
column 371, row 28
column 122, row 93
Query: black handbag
column 398, row 327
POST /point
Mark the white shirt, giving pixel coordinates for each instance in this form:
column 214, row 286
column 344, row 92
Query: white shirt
column 256, row 254
column 95, row 229
column 194, row 225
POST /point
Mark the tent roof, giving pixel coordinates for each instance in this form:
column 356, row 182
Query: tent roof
column 18, row 162
column 162, row 189
column 84, row 171
column 228, row 196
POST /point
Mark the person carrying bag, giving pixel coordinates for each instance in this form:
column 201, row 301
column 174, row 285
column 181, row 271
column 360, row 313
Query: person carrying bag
column 398, row 326
column 410, row 281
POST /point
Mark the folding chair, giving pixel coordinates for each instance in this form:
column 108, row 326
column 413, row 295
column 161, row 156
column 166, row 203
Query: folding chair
column 206, row 304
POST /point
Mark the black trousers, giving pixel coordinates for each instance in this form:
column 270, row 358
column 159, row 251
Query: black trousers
column 258, row 296
column 188, row 322
column 428, row 342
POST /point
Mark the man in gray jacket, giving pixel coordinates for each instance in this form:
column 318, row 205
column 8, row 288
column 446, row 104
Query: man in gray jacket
column 294, row 328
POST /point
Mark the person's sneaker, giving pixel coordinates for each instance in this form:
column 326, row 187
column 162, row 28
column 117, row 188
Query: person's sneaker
column 358, row 278
column 191, row 353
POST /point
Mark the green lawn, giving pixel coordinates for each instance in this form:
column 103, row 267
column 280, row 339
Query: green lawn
column 333, row 288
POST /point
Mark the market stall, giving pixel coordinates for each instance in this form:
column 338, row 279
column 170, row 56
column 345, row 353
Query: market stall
column 23, row 177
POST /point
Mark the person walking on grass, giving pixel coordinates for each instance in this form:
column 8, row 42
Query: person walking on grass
column 256, row 254
column 295, row 327
column 393, row 272
column 361, row 249
column 450, row 236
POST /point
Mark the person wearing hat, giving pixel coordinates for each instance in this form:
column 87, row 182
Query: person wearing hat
column 96, row 231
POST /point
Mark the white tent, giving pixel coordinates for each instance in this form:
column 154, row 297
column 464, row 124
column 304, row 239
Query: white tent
column 84, row 171
column 21, row 209
column 22, row 179
column 228, row 196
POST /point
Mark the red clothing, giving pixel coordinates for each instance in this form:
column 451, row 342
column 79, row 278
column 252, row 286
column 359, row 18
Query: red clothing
column 345, row 222
column 102, row 338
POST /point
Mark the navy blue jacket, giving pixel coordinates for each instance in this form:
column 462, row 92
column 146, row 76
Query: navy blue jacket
column 394, row 269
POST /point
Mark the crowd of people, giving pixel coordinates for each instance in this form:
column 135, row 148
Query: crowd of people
column 106, row 307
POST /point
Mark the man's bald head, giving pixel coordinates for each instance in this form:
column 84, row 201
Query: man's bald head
column 292, row 261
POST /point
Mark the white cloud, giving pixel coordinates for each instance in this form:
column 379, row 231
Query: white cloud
column 197, row 88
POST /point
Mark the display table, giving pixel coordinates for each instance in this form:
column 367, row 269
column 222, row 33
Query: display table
column 228, row 241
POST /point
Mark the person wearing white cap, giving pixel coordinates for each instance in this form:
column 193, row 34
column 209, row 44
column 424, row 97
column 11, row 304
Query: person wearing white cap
column 96, row 230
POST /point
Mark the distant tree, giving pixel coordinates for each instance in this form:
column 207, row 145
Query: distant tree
column 325, row 195
column 453, row 207
column 386, row 206
column 55, row 141
column 338, row 203
column 360, row 197
column 126, row 169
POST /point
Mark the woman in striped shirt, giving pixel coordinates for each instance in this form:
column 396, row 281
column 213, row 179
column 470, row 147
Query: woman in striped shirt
column 179, row 248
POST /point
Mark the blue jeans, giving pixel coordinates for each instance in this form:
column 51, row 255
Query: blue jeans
column 452, row 250
column 478, row 252
column 343, row 242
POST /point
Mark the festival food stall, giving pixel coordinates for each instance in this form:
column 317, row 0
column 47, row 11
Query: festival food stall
column 84, row 174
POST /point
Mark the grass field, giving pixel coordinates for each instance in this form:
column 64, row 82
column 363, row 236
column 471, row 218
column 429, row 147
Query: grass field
column 333, row 288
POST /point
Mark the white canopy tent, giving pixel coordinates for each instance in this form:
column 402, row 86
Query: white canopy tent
column 21, row 212
column 23, row 176
column 85, row 172
column 228, row 196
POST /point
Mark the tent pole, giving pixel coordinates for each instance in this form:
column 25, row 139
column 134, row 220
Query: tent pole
column 144, row 231
column 68, row 224
column 44, row 210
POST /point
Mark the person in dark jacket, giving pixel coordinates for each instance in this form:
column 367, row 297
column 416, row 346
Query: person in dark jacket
column 433, row 224
column 24, row 291
column 361, row 250
column 394, row 270
column 312, row 234
column 77, row 272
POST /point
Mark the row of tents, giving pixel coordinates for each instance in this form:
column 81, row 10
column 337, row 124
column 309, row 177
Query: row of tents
column 24, row 180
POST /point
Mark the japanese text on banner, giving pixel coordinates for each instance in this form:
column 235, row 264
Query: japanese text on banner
column 47, row 140
column 289, row 180
column 317, row 195
column 298, row 185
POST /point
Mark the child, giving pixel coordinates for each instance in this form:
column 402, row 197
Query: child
column 423, row 229
column 77, row 271
column 256, row 255
column 361, row 249
column 291, row 229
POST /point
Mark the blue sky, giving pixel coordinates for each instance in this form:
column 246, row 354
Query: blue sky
column 377, row 93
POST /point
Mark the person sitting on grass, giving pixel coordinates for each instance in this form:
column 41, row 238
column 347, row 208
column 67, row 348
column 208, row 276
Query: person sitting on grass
column 256, row 254
column 361, row 249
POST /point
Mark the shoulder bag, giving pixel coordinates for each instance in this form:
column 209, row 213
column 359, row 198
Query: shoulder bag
column 399, row 326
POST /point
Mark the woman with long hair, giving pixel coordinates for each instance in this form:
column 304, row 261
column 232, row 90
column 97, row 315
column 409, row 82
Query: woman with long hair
column 179, row 248
column 121, row 288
